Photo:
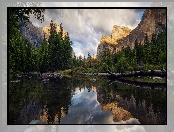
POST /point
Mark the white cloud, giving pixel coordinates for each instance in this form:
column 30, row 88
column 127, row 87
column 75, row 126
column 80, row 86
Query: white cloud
column 90, row 128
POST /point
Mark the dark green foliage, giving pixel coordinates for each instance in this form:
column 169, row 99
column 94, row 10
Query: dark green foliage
column 21, row 52
column 59, row 50
column 43, row 56
column 151, row 55
column 19, row 16
column 56, row 54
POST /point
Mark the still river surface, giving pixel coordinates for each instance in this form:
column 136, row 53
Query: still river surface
column 83, row 101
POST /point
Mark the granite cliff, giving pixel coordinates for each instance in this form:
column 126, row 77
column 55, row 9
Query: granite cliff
column 153, row 21
column 36, row 35
column 33, row 34
column 110, row 42
column 46, row 30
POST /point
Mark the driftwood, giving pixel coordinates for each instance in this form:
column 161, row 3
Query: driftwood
column 159, row 73
column 161, row 86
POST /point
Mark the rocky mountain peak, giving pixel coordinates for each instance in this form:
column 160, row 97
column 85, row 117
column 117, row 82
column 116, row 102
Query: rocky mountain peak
column 107, row 39
column 46, row 30
column 153, row 22
column 109, row 42
column 36, row 35
column 119, row 32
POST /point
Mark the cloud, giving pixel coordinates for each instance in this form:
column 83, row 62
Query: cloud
column 130, row 121
column 113, row 128
column 86, row 26
column 89, row 128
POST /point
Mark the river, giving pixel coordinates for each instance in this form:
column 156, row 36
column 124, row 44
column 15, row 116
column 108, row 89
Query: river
column 83, row 100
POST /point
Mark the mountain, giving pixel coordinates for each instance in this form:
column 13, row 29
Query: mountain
column 46, row 29
column 33, row 34
column 36, row 35
column 153, row 22
column 119, row 32
column 110, row 42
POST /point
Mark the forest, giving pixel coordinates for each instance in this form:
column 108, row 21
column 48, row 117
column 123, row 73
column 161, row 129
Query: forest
column 56, row 53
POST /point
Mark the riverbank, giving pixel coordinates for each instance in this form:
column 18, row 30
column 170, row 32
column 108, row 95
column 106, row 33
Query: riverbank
column 69, row 73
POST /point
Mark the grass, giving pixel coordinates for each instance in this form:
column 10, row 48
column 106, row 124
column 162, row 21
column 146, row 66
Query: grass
column 66, row 73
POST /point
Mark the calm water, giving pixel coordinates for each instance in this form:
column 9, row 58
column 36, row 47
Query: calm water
column 82, row 101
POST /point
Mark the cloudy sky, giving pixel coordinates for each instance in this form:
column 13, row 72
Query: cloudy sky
column 86, row 26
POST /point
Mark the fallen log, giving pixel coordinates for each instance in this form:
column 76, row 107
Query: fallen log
column 158, row 73
column 160, row 86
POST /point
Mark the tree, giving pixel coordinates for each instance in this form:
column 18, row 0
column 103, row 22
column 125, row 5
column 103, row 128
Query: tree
column 121, row 64
column 43, row 56
column 20, row 50
column 89, row 60
column 54, row 47
column 67, row 51
column 60, row 50
column 19, row 16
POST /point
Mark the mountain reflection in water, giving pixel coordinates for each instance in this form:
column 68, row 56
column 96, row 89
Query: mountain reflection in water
column 80, row 101
column 85, row 109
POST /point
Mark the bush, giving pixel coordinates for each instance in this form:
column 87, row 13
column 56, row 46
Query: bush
column 130, row 68
column 149, row 67
column 104, row 67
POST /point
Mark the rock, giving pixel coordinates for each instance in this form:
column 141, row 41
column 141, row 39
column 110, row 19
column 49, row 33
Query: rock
column 119, row 32
column 110, row 42
column 157, row 78
column 33, row 34
column 46, row 29
column 16, row 81
column 45, row 80
column 93, row 80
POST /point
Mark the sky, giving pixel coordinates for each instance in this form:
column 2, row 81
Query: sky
column 86, row 26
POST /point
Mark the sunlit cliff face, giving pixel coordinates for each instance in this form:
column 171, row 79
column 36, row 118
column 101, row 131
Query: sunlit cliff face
column 46, row 30
column 110, row 42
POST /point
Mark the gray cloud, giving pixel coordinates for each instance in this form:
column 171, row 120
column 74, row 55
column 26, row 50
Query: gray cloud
column 86, row 26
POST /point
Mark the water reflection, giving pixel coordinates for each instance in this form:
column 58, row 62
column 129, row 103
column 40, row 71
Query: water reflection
column 85, row 109
column 81, row 101
column 146, row 105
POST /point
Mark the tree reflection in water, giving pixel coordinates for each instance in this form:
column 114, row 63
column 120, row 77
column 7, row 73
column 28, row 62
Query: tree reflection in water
column 62, row 100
